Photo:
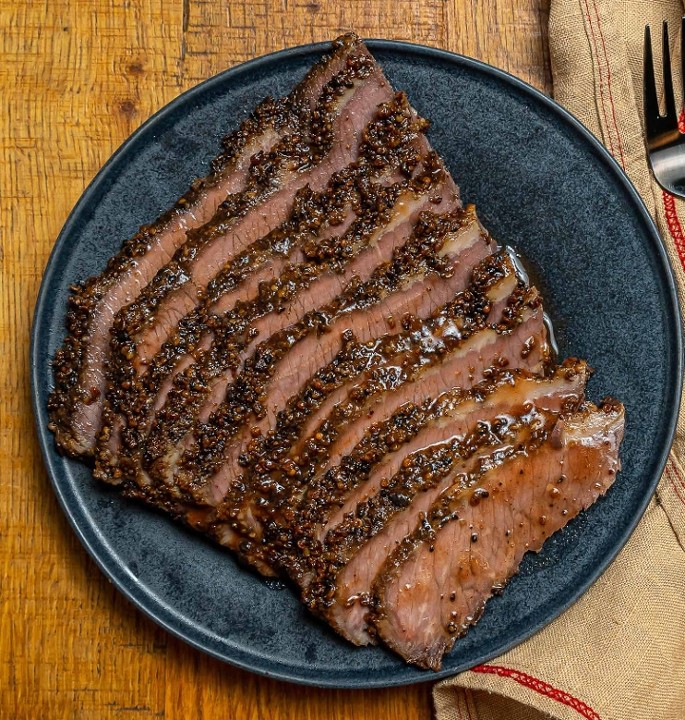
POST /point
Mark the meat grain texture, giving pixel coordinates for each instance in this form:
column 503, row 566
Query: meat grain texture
column 320, row 359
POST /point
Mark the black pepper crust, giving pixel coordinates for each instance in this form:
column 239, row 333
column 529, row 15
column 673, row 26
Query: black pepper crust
column 391, row 142
column 68, row 365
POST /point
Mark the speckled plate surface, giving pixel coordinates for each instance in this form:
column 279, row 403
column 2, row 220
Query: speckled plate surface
column 542, row 184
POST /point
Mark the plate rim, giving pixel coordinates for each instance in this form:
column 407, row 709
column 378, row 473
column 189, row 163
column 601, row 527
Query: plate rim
column 98, row 548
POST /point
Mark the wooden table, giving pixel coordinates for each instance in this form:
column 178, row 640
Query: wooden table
column 77, row 77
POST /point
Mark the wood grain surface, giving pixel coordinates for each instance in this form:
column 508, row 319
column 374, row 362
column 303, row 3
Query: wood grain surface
column 76, row 78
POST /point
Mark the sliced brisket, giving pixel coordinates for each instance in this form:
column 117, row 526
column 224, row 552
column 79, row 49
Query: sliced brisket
column 319, row 359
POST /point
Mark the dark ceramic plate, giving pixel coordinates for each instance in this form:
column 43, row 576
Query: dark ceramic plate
column 542, row 184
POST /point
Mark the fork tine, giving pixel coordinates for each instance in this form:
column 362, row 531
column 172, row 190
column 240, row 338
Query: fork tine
column 651, row 100
column 669, row 97
column 665, row 143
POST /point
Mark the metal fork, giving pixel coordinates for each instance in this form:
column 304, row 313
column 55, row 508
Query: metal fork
column 665, row 142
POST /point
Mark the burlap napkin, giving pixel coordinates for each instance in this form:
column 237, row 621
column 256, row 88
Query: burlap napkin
column 618, row 653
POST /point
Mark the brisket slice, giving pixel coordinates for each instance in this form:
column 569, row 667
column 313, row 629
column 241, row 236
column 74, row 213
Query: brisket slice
column 323, row 232
column 487, row 423
column 75, row 404
column 424, row 273
column 434, row 586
